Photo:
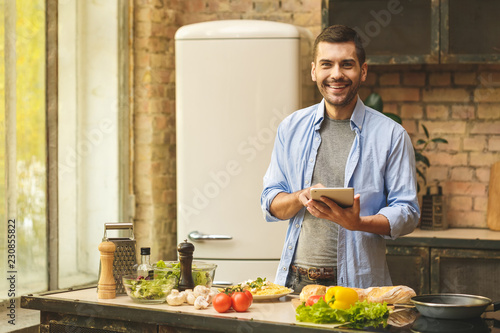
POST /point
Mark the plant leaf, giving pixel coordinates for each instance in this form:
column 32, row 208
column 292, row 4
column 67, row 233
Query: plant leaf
column 425, row 131
column 439, row 140
column 420, row 142
column 421, row 174
column 421, row 158
column 394, row 117
column 374, row 101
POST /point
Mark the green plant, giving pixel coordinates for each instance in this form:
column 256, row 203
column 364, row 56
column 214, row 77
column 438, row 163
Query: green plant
column 374, row 101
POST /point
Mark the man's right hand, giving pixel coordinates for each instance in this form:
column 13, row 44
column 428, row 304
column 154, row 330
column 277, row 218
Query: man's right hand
column 287, row 205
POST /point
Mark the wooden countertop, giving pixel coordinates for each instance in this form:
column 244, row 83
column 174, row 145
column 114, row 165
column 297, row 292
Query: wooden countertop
column 451, row 238
column 263, row 316
column 457, row 233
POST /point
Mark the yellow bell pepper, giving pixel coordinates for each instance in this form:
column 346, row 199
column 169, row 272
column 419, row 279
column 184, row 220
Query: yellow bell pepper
column 341, row 297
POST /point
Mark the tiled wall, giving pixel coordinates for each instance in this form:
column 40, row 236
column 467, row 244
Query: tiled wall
column 460, row 103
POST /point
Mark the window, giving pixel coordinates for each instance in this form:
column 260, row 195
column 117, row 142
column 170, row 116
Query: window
column 91, row 94
column 90, row 118
column 22, row 144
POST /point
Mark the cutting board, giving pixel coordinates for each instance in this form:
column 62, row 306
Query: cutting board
column 494, row 198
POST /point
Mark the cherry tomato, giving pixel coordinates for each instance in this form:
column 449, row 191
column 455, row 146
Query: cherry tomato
column 240, row 302
column 249, row 295
column 314, row 299
column 221, row 302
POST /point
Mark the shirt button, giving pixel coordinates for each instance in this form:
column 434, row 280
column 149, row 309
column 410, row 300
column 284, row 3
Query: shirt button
column 284, row 269
column 311, row 160
column 307, row 182
column 296, row 226
column 290, row 247
column 317, row 139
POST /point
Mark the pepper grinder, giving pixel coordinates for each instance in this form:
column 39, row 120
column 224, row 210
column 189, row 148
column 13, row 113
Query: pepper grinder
column 186, row 250
column 107, row 284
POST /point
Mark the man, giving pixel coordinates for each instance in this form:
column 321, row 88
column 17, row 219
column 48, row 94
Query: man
column 340, row 143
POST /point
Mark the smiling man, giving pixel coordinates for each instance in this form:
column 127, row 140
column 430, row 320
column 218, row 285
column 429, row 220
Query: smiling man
column 340, row 142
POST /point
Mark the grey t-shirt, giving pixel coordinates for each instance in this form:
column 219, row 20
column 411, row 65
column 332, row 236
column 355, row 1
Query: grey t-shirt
column 317, row 246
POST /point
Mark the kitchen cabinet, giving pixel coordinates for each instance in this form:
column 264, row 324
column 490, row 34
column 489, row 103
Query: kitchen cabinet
column 449, row 261
column 424, row 31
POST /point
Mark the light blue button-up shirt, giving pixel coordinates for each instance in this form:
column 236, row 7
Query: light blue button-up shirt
column 380, row 167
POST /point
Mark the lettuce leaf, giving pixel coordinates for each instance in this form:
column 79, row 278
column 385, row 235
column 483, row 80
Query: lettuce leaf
column 320, row 313
column 360, row 314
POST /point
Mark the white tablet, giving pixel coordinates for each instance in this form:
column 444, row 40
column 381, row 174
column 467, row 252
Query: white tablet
column 343, row 196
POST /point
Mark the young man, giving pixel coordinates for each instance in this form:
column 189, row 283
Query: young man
column 340, row 143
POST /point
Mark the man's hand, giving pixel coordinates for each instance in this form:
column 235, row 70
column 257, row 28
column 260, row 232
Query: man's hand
column 348, row 217
column 286, row 205
column 305, row 194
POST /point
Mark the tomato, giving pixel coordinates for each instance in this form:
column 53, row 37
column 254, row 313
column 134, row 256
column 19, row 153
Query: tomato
column 249, row 295
column 240, row 301
column 221, row 302
column 314, row 299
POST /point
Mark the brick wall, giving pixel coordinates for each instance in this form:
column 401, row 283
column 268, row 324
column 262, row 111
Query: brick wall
column 459, row 103
column 155, row 23
column 154, row 26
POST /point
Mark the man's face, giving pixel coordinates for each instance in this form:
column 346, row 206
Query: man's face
column 338, row 74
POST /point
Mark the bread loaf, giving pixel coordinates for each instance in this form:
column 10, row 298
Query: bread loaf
column 362, row 293
column 390, row 294
column 311, row 289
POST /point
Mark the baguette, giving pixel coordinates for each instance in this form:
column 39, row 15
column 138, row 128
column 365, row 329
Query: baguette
column 390, row 294
column 362, row 293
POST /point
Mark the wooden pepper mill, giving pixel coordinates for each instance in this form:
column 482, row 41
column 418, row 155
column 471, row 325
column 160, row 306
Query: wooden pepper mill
column 186, row 250
column 107, row 284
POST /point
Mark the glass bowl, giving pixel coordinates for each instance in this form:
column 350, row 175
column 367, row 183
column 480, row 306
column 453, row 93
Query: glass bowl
column 149, row 290
column 203, row 272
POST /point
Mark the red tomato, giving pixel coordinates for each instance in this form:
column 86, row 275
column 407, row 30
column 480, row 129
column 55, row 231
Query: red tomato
column 240, row 301
column 249, row 295
column 221, row 302
column 314, row 299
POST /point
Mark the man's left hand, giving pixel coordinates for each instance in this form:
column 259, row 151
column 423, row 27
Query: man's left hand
column 329, row 210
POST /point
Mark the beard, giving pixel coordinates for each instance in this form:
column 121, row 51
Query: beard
column 349, row 97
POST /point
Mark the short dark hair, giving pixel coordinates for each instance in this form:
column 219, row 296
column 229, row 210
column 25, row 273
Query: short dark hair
column 341, row 34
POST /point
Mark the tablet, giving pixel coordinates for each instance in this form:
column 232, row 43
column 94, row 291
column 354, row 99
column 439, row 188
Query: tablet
column 343, row 196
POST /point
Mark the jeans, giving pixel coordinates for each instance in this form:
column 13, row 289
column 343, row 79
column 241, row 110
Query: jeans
column 297, row 281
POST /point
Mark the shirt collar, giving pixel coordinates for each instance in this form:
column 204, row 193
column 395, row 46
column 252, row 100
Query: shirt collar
column 356, row 118
column 358, row 115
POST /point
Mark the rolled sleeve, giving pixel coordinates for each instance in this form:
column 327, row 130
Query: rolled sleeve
column 266, row 200
column 403, row 211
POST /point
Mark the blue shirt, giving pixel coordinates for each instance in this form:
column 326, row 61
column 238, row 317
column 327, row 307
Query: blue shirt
column 380, row 167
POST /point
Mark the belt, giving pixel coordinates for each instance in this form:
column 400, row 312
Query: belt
column 314, row 273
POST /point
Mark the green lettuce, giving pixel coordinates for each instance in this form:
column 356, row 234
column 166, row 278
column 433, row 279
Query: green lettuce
column 361, row 314
column 200, row 277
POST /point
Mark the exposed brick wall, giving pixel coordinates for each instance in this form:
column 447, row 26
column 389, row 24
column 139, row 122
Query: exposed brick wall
column 155, row 23
column 460, row 103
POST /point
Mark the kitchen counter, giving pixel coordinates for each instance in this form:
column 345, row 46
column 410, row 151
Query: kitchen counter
column 451, row 238
column 73, row 309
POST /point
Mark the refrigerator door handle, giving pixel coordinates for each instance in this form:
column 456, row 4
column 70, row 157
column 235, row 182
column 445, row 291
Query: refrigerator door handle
column 198, row 236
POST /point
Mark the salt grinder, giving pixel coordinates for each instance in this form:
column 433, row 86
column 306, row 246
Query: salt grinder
column 107, row 284
column 186, row 250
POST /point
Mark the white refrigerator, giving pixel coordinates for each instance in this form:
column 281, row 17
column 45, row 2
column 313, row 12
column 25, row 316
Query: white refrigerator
column 235, row 81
